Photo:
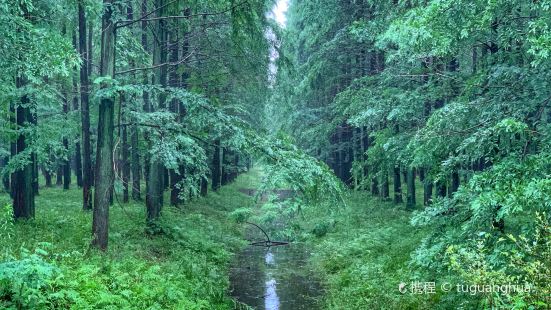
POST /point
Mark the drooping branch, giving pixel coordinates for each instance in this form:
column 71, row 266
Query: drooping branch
column 125, row 23
column 169, row 64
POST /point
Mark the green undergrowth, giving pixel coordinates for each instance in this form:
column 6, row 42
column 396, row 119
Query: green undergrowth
column 362, row 252
column 46, row 263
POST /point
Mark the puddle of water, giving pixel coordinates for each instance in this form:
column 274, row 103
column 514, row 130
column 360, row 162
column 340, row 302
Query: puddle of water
column 276, row 278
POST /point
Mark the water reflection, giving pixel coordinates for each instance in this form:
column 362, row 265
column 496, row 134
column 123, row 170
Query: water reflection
column 275, row 278
column 269, row 257
column 271, row 300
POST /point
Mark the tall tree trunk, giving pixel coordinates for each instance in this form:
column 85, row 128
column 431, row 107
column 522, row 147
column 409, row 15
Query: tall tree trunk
column 104, row 154
column 455, row 181
column 374, row 181
column 78, row 155
column 125, row 154
column 385, row 191
column 225, row 165
column 47, row 176
column 66, row 163
column 397, row 185
column 13, row 147
column 59, row 174
column 204, row 186
column 146, row 101
column 135, row 134
column 216, row 166
column 5, row 177
column 85, row 70
column 411, row 200
column 156, row 175
column 136, row 168
column 23, row 190
column 345, row 153
column 427, row 191
column 175, row 107
column 34, row 158
column 441, row 190
column 365, row 147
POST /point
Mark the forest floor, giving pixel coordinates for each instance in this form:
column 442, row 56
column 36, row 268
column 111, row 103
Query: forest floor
column 360, row 253
column 183, row 267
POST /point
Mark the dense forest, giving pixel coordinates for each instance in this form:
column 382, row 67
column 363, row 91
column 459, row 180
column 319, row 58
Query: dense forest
column 255, row 154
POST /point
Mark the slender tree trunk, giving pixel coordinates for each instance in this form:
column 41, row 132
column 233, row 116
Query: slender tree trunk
column 104, row 154
column 441, row 190
column 397, row 185
column 156, row 175
column 47, row 176
column 85, row 70
column 204, row 187
column 411, row 200
column 365, row 146
column 174, row 81
column 225, row 154
column 5, row 176
column 135, row 135
column 59, row 174
column 385, row 191
column 34, row 158
column 427, row 191
column 422, row 174
column 23, row 189
column 66, row 163
column 216, row 166
column 146, row 101
column 455, row 182
column 76, row 108
column 136, row 169
column 13, row 146
column 125, row 154
column 346, row 154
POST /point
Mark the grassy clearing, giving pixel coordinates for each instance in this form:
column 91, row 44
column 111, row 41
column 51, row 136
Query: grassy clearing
column 363, row 251
column 51, row 265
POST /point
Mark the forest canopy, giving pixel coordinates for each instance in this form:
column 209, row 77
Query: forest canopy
column 337, row 116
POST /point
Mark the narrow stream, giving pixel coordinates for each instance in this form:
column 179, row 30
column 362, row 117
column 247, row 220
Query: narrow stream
column 275, row 278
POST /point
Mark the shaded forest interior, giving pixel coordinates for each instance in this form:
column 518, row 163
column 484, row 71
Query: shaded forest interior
column 420, row 129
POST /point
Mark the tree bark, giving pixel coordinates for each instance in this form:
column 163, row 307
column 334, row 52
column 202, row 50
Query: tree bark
column 204, row 187
column 441, row 188
column 59, row 174
column 156, row 175
column 5, row 176
column 66, row 163
column 397, row 185
column 13, row 147
column 427, row 191
column 411, row 200
column 78, row 155
column 104, row 154
column 125, row 154
column 85, row 70
column 146, row 101
column 225, row 163
column 385, row 191
column 135, row 136
column 216, row 166
column 23, row 189
column 47, row 176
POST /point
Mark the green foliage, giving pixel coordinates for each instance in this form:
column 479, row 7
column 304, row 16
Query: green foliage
column 364, row 254
column 27, row 283
column 528, row 267
column 240, row 215
column 184, row 267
